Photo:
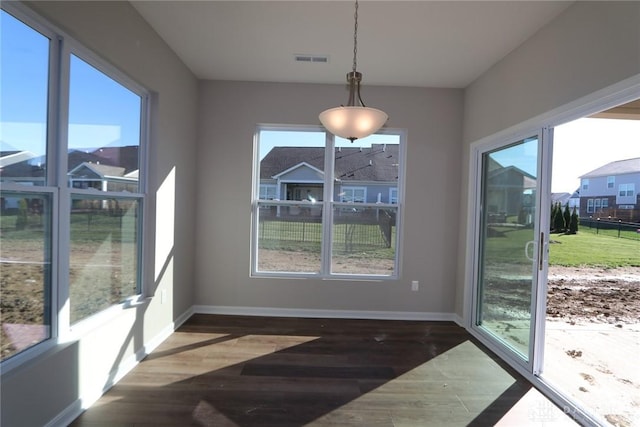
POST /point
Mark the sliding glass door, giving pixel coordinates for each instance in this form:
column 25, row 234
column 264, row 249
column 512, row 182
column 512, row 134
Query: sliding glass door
column 510, row 247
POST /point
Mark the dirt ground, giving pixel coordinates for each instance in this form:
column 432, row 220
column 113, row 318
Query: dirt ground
column 594, row 295
column 592, row 340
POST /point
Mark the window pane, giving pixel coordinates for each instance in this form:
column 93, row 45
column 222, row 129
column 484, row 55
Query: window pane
column 364, row 240
column 289, row 237
column 104, row 131
column 25, row 271
column 104, row 248
column 373, row 163
column 23, row 102
column 293, row 162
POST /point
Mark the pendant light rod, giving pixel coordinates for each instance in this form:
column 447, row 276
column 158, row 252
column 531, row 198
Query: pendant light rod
column 353, row 121
column 355, row 37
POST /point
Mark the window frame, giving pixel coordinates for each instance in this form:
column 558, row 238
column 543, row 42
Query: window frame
column 627, row 188
column 584, row 185
column 61, row 47
column 393, row 195
column 590, row 208
column 353, row 189
column 268, row 187
column 330, row 202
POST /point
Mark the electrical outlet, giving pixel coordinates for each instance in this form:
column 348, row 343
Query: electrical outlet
column 415, row 285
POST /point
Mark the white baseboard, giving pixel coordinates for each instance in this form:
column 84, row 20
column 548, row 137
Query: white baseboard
column 459, row 320
column 67, row 416
column 313, row 313
column 85, row 401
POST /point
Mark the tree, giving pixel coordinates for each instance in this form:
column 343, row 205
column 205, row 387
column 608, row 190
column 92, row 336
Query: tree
column 573, row 223
column 566, row 215
column 558, row 220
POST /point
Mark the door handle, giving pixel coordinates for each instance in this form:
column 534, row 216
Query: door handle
column 541, row 252
column 526, row 249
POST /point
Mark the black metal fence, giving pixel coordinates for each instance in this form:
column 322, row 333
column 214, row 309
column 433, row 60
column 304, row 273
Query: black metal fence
column 351, row 233
column 613, row 228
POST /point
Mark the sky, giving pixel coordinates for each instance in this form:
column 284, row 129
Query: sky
column 102, row 112
column 579, row 147
column 586, row 144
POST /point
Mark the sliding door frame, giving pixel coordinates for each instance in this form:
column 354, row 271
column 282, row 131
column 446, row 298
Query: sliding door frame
column 539, row 251
column 622, row 92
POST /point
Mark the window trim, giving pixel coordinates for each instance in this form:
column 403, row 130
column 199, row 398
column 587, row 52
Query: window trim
column 626, row 188
column 611, row 181
column 393, row 199
column 267, row 187
column 61, row 46
column 353, row 188
column 590, row 206
column 584, row 185
column 328, row 204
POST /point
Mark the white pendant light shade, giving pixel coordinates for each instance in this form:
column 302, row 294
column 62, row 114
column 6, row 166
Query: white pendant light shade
column 353, row 122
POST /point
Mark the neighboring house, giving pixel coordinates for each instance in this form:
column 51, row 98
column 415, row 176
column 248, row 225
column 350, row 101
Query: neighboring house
column 573, row 199
column 95, row 168
column 362, row 175
column 612, row 190
column 103, row 177
column 510, row 192
column 104, row 169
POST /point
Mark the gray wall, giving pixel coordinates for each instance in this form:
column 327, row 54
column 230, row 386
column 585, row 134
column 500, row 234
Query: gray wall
column 588, row 47
column 38, row 391
column 229, row 112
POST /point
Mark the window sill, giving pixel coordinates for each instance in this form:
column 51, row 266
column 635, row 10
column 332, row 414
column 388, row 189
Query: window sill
column 95, row 321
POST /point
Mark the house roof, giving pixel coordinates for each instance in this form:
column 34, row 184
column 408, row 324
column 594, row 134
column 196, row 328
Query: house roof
column 377, row 163
column 98, row 169
column 619, row 167
column 125, row 158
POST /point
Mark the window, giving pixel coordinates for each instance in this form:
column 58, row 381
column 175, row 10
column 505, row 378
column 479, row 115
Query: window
column 585, row 184
column 267, row 192
column 27, row 196
column 590, row 206
column 353, row 194
column 103, row 149
column 605, row 203
column 597, row 205
column 611, row 181
column 393, row 195
column 626, row 190
column 99, row 217
column 323, row 226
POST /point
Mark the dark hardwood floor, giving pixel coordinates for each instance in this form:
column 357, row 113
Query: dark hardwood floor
column 256, row 371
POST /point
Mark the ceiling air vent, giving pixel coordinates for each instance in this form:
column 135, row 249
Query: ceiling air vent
column 321, row 59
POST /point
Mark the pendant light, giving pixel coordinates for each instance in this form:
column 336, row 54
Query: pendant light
column 353, row 121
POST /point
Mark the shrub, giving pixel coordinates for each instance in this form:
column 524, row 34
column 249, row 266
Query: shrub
column 573, row 223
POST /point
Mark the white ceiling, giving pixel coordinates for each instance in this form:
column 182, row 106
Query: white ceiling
column 400, row 43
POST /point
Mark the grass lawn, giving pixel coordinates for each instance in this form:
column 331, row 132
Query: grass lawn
column 594, row 250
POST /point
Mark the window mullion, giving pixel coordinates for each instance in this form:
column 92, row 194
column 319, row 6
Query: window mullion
column 327, row 216
column 64, row 195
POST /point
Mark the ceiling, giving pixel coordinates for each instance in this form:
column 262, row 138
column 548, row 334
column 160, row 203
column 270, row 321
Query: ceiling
column 400, row 43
